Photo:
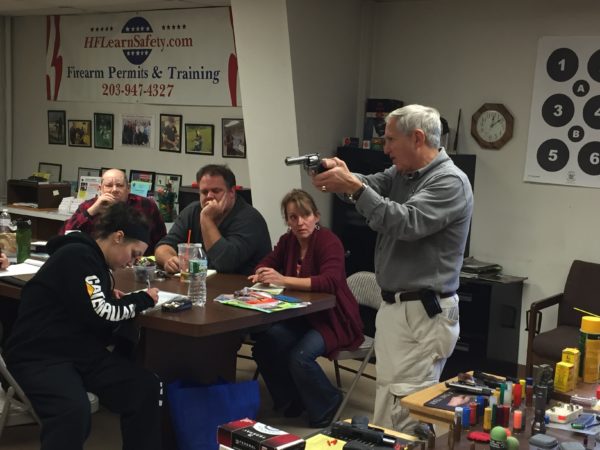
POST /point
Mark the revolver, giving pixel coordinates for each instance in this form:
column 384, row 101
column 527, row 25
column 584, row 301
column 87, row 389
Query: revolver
column 310, row 162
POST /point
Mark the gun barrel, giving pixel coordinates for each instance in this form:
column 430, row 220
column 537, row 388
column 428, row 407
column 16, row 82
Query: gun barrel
column 291, row 160
column 346, row 431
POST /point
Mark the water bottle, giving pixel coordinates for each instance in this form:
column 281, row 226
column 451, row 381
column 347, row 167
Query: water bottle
column 197, row 288
column 23, row 240
column 5, row 221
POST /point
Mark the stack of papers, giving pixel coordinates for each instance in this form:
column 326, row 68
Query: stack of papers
column 268, row 288
column 30, row 266
column 472, row 265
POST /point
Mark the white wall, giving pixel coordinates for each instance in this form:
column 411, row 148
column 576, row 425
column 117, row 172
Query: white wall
column 30, row 122
column 324, row 44
column 453, row 55
column 263, row 50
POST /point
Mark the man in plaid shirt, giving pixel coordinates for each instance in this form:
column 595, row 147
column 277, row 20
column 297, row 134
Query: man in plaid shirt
column 114, row 188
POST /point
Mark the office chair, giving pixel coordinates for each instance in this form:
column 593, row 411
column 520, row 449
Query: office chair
column 581, row 290
column 368, row 294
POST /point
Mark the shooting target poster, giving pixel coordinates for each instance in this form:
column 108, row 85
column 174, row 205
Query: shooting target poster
column 564, row 129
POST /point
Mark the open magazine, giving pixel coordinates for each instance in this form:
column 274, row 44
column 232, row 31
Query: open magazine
column 250, row 298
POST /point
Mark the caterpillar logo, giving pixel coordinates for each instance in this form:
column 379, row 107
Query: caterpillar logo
column 104, row 309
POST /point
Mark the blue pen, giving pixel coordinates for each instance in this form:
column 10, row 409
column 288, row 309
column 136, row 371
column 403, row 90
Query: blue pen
column 285, row 298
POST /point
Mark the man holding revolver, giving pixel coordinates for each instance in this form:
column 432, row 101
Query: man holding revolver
column 421, row 209
column 115, row 188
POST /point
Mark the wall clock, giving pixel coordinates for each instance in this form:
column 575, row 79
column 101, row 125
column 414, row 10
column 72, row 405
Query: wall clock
column 492, row 126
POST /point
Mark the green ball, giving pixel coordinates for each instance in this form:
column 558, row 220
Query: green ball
column 498, row 438
column 512, row 443
column 498, row 434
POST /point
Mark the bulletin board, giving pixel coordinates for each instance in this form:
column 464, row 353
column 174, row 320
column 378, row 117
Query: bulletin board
column 564, row 129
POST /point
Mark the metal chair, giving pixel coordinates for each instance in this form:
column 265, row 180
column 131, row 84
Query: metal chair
column 16, row 408
column 250, row 342
column 367, row 293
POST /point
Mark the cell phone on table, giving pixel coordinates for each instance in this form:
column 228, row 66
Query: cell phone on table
column 178, row 304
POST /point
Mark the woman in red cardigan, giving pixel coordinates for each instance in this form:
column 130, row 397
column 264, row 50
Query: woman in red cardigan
column 309, row 258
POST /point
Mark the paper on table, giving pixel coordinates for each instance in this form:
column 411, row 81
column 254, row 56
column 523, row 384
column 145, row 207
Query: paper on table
column 272, row 289
column 30, row 266
column 164, row 296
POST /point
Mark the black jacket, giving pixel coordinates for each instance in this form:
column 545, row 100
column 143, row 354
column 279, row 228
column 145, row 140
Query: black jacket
column 67, row 310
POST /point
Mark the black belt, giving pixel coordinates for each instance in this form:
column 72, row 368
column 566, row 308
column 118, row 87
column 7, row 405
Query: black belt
column 409, row 296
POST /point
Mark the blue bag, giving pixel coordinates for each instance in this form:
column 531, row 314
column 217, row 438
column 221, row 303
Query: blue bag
column 197, row 410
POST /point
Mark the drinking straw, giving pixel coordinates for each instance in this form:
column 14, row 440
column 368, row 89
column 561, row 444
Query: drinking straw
column 187, row 249
column 585, row 312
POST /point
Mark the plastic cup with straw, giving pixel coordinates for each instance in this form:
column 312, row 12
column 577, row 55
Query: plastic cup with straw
column 185, row 251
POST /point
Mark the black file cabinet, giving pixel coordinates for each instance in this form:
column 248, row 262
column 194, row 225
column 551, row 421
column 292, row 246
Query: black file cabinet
column 490, row 345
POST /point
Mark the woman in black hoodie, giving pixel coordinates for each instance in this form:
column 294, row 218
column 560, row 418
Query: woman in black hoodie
column 67, row 315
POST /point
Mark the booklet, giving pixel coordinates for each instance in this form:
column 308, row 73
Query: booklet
column 259, row 301
column 449, row 400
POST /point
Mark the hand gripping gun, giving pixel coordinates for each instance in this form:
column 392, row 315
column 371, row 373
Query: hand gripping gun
column 311, row 162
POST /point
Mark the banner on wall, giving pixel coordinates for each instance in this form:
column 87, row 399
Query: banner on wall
column 564, row 128
column 180, row 57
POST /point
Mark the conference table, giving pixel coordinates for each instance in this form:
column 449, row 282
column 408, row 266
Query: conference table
column 201, row 343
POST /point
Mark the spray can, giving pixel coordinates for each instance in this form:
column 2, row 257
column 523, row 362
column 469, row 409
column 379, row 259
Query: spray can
column 589, row 346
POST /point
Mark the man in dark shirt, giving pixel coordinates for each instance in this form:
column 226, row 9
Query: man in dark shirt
column 233, row 234
column 114, row 188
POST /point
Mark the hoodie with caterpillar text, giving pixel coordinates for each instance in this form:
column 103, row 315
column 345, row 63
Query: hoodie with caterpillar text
column 67, row 310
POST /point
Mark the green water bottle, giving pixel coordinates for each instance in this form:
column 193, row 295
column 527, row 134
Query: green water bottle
column 23, row 240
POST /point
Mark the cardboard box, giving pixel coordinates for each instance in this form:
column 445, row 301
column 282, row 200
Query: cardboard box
column 564, row 377
column 247, row 434
column 573, row 356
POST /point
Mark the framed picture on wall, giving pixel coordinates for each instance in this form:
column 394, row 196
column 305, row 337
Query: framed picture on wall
column 80, row 133
column 199, row 139
column 163, row 180
column 56, row 127
column 104, row 130
column 55, row 171
column 86, row 172
column 141, row 182
column 234, row 138
column 136, row 131
column 170, row 133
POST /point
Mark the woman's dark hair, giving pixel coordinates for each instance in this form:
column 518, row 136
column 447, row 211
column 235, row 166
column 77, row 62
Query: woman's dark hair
column 120, row 216
column 303, row 201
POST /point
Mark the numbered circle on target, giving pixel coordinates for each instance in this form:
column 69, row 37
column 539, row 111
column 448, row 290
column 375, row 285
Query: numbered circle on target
column 558, row 110
column 553, row 155
column 589, row 158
